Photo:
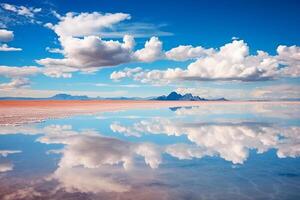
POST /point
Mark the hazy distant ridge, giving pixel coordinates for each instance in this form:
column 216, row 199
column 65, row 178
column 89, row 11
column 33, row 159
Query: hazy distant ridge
column 174, row 96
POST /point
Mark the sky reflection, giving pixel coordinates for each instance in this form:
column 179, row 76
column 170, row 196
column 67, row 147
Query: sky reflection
column 185, row 153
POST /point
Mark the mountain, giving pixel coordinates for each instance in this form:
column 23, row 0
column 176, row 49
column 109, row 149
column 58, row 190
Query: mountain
column 19, row 98
column 63, row 96
column 174, row 96
column 68, row 97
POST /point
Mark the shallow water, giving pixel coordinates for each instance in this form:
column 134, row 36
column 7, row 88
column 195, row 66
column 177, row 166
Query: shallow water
column 243, row 151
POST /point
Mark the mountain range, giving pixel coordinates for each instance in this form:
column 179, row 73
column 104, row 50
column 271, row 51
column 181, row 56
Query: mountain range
column 173, row 96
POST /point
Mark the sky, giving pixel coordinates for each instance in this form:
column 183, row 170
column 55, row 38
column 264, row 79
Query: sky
column 233, row 49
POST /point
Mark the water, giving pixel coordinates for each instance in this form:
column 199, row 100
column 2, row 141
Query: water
column 239, row 151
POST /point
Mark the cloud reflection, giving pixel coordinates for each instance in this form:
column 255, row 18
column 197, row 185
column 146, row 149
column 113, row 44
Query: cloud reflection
column 289, row 110
column 94, row 163
column 6, row 165
column 230, row 141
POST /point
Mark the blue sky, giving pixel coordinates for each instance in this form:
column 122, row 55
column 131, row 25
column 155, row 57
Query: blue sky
column 208, row 48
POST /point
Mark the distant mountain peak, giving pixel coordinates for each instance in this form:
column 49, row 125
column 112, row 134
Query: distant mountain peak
column 174, row 96
column 63, row 96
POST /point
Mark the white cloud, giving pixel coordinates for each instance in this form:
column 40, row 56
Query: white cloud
column 231, row 62
column 84, row 49
column 15, row 83
column 54, row 50
column 91, row 52
column 277, row 92
column 21, row 10
column 104, row 25
column 5, row 47
column 17, row 75
column 187, row 52
column 58, row 71
column 127, row 72
column 289, row 58
column 6, row 35
column 86, row 24
column 13, row 71
column 80, row 37
column 151, row 52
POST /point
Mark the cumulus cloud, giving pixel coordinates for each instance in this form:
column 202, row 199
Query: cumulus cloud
column 14, row 72
column 54, row 50
column 231, row 62
column 187, row 52
column 127, row 72
column 151, row 52
column 6, row 36
column 84, row 49
column 289, row 59
column 12, row 15
column 5, row 47
column 91, row 52
column 15, row 83
column 21, row 10
column 86, row 24
column 17, row 75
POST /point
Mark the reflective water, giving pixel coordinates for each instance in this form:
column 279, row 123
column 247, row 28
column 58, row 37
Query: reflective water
column 242, row 151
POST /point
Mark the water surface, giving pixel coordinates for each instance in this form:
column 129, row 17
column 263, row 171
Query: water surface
column 219, row 151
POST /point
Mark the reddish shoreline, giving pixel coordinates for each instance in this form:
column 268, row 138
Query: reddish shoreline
column 14, row 112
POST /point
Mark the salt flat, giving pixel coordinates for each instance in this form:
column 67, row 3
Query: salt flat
column 16, row 112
